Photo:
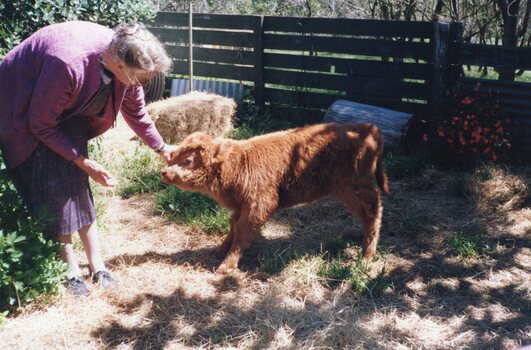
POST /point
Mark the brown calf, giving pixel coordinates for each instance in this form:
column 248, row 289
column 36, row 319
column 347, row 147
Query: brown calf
column 255, row 177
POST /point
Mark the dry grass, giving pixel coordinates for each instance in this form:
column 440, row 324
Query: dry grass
column 169, row 298
column 177, row 117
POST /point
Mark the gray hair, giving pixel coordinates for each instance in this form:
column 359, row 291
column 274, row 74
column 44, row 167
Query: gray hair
column 139, row 49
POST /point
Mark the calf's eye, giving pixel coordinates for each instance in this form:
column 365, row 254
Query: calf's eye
column 186, row 161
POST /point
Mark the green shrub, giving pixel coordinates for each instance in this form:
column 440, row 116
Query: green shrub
column 30, row 268
column 253, row 120
column 21, row 18
column 474, row 129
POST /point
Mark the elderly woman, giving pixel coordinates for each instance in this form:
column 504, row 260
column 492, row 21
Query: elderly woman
column 59, row 88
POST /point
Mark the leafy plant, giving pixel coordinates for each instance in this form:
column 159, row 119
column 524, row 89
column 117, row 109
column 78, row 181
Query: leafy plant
column 30, row 268
column 253, row 120
column 475, row 128
column 21, row 18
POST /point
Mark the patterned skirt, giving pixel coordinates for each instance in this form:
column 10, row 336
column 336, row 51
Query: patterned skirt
column 56, row 188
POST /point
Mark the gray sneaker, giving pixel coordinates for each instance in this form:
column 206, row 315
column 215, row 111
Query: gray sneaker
column 77, row 287
column 103, row 278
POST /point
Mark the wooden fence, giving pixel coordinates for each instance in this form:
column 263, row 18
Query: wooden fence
column 300, row 66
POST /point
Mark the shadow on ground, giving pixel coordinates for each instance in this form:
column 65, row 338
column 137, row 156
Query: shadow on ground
column 497, row 314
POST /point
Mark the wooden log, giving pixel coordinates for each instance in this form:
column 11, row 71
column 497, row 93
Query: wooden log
column 392, row 124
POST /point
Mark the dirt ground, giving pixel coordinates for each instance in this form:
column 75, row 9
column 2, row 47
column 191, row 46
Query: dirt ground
column 168, row 297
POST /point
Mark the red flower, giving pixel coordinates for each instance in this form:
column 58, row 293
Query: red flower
column 425, row 137
column 467, row 100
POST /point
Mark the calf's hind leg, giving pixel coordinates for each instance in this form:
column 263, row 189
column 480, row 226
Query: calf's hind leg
column 365, row 204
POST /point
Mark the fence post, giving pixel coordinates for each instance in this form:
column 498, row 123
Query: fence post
column 191, row 47
column 259, row 61
column 441, row 44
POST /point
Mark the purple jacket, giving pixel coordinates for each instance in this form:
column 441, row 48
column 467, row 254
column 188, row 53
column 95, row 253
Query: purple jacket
column 48, row 78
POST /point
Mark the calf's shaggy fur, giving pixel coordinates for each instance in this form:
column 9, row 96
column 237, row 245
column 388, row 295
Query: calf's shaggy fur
column 255, row 177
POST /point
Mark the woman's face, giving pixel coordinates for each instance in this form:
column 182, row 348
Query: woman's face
column 133, row 77
column 125, row 74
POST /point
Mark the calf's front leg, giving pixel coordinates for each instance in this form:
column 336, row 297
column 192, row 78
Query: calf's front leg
column 244, row 231
column 222, row 250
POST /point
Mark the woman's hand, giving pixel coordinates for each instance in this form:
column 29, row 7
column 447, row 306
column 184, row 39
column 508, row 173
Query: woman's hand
column 166, row 152
column 96, row 172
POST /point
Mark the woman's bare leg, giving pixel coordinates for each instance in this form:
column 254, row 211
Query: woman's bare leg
column 90, row 238
column 66, row 251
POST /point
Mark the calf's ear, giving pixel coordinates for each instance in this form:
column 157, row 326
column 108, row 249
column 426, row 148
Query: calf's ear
column 220, row 150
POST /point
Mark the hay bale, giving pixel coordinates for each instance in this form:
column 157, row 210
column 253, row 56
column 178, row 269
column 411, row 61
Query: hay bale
column 179, row 116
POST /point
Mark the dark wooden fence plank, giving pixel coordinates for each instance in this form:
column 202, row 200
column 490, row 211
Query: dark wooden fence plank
column 205, row 37
column 200, row 20
column 303, row 99
column 493, row 56
column 367, row 47
column 299, row 98
column 222, row 71
column 512, row 87
column 346, row 26
column 300, row 116
column 239, row 56
column 351, row 84
column 350, row 66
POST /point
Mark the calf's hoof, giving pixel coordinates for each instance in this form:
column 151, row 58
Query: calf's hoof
column 225, row 269
column 368, row 255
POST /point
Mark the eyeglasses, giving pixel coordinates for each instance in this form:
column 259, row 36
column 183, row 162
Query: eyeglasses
column 138, row 78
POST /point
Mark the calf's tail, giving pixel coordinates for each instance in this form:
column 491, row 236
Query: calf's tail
column 381, row 177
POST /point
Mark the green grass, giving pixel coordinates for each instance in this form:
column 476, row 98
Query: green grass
column 469, row 245
column 338, row 270
column 458, row 183
column 272, row 262
column 192, row 208
column 140, row 173
column 402, row 166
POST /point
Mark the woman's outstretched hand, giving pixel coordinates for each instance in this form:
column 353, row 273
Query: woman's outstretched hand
column 166, row 152
column 96, row 171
